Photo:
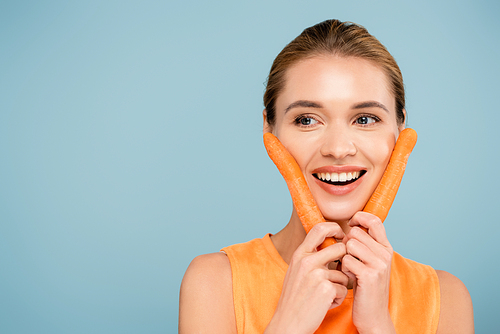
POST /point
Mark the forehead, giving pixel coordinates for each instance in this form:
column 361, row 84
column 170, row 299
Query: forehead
column 336, row 80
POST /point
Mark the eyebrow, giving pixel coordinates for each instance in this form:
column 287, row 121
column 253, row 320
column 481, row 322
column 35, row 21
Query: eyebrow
column 312, row 104
column 370, row 104
column 303, row 104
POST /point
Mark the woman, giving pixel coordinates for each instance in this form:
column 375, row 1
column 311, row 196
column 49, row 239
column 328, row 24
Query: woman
column 335, row 99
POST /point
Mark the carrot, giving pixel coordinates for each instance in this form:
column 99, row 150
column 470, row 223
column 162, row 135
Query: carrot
column 381, row 200
column 379, row 203
column 305, row 205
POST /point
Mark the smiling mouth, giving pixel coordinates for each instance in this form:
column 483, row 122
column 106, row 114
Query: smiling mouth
column 339, row 179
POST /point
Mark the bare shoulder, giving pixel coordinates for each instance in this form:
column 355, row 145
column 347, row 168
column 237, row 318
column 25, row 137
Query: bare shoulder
column 206, row 297
column 456, row 315
column 208, row 266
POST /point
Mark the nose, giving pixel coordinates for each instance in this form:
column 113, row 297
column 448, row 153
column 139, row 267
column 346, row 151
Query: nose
column 338, row 143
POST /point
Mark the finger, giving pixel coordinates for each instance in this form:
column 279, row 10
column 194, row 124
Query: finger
column 360, row 250
column 320, row 260
column 373, row 224
column 318, row 234
column 340, row 294
column 348, row 273
column 337, row 277
column 331, row 253
column 330, row 284
column 362, row 246
column 352, row 266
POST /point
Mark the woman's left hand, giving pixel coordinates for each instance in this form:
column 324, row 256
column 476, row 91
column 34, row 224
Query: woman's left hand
column 368, row 264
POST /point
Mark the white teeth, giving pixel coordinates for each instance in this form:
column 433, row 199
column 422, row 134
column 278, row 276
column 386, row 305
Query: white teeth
column 338, row 177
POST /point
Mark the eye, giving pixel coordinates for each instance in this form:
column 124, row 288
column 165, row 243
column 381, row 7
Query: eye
column 305, row 121
column 366, row 120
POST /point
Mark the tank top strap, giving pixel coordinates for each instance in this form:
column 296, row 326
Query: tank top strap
column 258, row 273
column 414, row 299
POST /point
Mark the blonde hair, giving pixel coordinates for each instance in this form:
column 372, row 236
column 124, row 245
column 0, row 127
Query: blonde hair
column 333, row 37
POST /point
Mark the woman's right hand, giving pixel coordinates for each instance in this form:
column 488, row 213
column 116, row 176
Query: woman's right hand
column 310, row 289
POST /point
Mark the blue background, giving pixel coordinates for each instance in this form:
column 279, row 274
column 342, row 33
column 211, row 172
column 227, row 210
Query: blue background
column 130, row 142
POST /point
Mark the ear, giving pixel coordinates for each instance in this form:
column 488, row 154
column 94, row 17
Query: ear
column 403, row 125
column 266, row 126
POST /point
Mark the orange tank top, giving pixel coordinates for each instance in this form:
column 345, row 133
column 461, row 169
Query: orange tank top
column 258, row 272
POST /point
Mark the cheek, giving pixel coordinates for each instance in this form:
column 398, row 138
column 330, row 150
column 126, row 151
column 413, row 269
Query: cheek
column 302, row 151
column 302, row 148
column 379, row 152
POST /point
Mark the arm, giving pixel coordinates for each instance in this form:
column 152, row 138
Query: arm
column 456, row 315
column 206, row 297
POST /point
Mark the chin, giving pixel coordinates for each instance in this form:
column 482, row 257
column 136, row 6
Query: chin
column 340, row 213
column 338, row 218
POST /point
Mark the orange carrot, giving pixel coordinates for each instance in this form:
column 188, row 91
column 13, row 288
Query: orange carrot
column 379, row 203
column 305, row 205
column 381, row 200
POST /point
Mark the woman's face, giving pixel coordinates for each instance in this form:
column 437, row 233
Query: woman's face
column 337, row 117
